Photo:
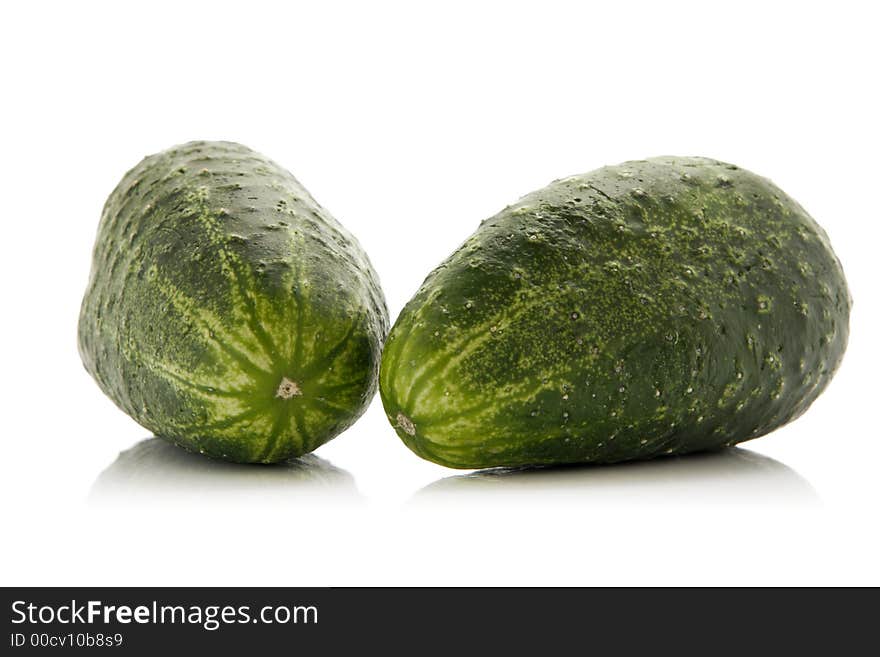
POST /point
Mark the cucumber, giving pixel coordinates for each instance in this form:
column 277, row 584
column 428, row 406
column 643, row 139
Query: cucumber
column 226, row 310
column 661, row 306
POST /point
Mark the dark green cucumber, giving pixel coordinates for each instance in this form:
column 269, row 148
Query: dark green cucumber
column 227, row 311
column 662, row 306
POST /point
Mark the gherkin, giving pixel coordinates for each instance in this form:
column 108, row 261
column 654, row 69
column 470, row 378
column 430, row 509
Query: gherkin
column 226, row 310
column 660, row 306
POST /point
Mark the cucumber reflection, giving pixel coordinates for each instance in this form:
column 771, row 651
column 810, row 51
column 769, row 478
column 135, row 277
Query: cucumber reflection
column 154, row 468
column 729, row 476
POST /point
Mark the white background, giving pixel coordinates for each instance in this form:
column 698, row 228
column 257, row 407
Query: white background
column 411, row 123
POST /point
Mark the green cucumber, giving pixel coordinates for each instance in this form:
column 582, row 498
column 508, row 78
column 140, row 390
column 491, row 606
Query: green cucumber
column 226, row 310
column 661, row 306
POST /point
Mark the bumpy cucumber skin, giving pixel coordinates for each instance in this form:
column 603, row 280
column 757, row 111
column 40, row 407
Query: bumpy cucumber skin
column 661, row 306
column 226, row 310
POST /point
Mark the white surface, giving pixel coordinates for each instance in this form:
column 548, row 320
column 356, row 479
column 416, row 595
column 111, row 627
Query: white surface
column 411, row 125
